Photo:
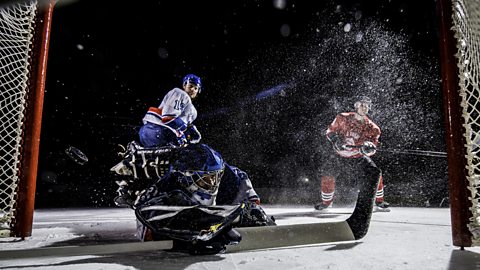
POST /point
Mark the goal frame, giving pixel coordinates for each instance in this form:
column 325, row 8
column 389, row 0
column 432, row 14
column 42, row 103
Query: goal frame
column 22, row 222
column 455, row 131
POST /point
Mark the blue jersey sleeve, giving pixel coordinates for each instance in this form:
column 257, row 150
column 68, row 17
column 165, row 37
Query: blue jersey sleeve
column 235, row 187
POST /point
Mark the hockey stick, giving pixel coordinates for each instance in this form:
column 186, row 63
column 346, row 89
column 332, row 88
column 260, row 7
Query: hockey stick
column 404, row 151
column 414, row 152
column 253, row 238
column 359, row 221
column 354, row 228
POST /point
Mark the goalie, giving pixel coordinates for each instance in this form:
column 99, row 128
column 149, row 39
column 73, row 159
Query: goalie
column 197, row 202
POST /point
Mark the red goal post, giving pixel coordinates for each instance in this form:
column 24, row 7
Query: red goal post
column 460, row 67
column 24, row 43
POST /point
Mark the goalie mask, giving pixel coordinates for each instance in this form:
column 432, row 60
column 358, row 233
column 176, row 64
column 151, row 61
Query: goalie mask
column 200, row 169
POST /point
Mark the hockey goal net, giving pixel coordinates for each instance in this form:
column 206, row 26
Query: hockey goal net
column 460, row 51
column 23, row 47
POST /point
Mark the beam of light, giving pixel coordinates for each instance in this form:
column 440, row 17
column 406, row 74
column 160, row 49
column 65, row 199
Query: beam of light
column 271, row 92
column 262, row 95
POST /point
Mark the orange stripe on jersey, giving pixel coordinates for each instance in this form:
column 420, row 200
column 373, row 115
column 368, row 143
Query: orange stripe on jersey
column 159, row 112
column 155, row 110
column 166, row 119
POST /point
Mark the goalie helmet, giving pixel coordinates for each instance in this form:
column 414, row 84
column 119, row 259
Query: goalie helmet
column 363, row 100
column 200, row 170
column 193, row 79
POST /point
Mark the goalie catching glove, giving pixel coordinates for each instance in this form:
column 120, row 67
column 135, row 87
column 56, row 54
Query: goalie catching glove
column 368, row 148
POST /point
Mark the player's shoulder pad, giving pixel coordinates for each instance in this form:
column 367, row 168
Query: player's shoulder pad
column 345, row 114
column 373, row 125
column 179, row 92
column 370, row 122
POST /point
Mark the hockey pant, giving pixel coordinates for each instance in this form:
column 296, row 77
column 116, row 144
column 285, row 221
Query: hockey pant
column 152, row 135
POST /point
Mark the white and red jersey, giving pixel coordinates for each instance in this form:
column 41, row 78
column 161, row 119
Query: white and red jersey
column 354, row 132
column 175, row 104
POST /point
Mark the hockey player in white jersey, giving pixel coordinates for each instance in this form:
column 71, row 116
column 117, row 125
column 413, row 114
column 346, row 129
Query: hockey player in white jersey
column 171, row 123
column 168, row 125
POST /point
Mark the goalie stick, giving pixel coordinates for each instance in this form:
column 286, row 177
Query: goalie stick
column 253, row 238
column 354, row 228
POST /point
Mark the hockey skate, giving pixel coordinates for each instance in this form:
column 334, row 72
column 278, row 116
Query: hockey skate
column 321, row 206
column 125, row 197
column 124, row 200
column 381, row 207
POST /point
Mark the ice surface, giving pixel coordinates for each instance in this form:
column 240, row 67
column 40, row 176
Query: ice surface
column 405, row 238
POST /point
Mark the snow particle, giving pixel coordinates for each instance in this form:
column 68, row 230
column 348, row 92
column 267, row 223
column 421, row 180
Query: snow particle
column 358, row 15
column 79, row 47
column 280, row 4
column 285, row 30
column 358, row 37
column 162, row 53
column 347, row 27
column 338, row 9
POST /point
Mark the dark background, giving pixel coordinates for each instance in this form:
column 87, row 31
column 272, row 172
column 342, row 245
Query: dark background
column 275, row 74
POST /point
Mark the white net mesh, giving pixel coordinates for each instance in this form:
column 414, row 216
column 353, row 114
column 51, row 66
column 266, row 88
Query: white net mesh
column 466, row 18
column 16, row 33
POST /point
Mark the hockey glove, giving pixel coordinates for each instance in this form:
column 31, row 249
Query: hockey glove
column 179, row 126
column 192, row 134
column 182, row 140
column 340, row 146
column 253, row 215
column 333, row 137
column 368, row 148
column 337, row 142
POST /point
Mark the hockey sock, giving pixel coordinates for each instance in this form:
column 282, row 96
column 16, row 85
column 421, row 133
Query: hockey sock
column 379, row 195
column 328, row 189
